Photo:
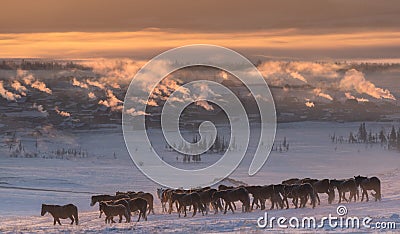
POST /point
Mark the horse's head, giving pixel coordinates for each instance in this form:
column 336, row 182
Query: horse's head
column 93, row 201
column 44, row 210
column 359, row 179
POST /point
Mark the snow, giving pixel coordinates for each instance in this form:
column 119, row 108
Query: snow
column 26, row 183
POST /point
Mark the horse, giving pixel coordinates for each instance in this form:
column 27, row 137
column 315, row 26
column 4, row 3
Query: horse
column 324, row 186
column 123, row 202
column 160, row 192
column 138, row 204
column 231, row 195
column 255, row 192
column 292, row 181
column 146, row 196
column 344, row 186
column 366, row 184
column 191, row 199
column 303, row 191
column 114, row 210
column 61, row 212
column 286, row 191
column 99, row 198
column 206, row 200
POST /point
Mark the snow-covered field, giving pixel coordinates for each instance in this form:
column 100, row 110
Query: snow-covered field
column 26, row 183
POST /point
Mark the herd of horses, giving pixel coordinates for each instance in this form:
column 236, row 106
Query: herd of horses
column 300, row 191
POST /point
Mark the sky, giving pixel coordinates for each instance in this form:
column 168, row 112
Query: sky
column 294, row 29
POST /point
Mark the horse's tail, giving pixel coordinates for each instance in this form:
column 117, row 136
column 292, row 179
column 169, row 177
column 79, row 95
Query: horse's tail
column 377, row 195
column 75, row 214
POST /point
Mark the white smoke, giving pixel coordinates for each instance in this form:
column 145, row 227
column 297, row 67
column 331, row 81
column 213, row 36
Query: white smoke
column 29, row 79
column 91, row 95
column 355, row 80
column 76, row 82
column 113, row 72
column 112, row 101
column 318, row 92
column 95, row 84
column 349, row 96
column 19, row 87
column 62, row 113
column 7, row 94
column 40, row 109
column 310, row 104
column 205, row 105
column 132, row 111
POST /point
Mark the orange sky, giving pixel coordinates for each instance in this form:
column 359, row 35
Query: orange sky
column 310, row 29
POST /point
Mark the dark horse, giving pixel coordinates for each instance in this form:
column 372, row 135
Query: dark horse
column 99, row 198
column 138, row 204
column 190, row 199
column 61, row 212
column 324, row 186
column 366, row 184
column 231, row 195
column 344, row 186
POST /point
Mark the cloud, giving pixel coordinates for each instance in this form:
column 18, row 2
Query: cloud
column 19, row 87
column 355, row 80
column 62, row 113
column 7, row 94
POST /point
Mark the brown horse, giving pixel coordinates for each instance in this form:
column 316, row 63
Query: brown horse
column 304, row 191
column 99, row 198
column 292, row 181
column 61, row 212
column 231, row 195
column 206, row 200
column 123, row 202
column 344, row 186
column 146, row 196
column 138, row 204
column 191, row 199
column 323, row 186
column 366, row 184
column 114, row 210
column 286, row 191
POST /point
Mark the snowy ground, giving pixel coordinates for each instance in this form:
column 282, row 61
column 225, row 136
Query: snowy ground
column 26, row 183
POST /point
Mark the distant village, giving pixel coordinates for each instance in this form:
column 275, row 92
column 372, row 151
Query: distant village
column 71, row 107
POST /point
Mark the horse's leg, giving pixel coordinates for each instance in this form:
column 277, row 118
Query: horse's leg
column 230, row 207
column 100, row 214
column 72, row 219
column 55, row 221
column 226, row 206
column 317, row 196
column 234, row 205
column 366, row 195
column 262, row 203
column 287, row 202
column 194, row 210
column 184, row 207
column 58, row 221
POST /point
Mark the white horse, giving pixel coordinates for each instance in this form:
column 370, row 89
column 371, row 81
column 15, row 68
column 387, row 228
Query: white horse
column 160, row 192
